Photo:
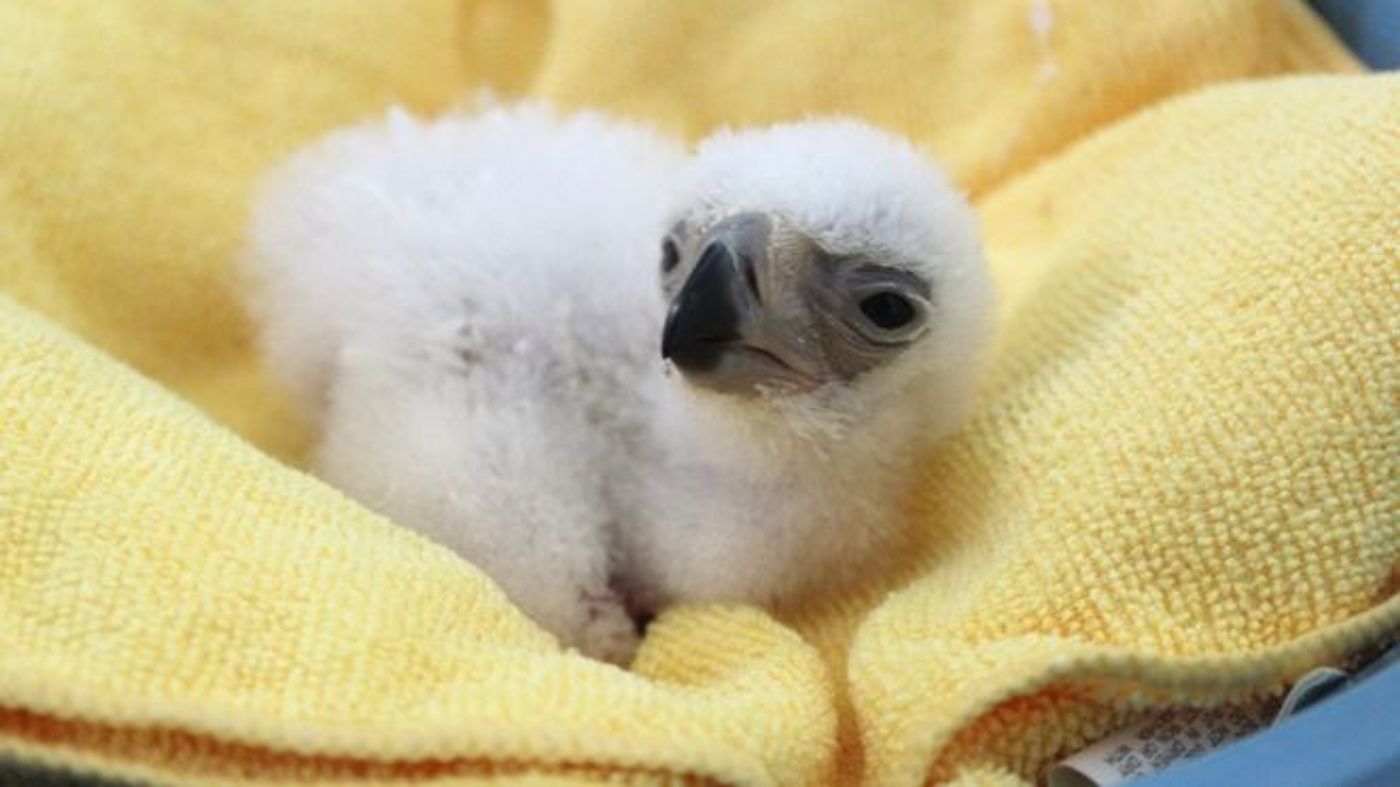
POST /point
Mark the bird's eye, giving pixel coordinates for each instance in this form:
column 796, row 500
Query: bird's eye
column 888, row 311
column 670, row 256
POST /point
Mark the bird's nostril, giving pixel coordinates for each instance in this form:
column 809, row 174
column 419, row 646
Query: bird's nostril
column 750, row 276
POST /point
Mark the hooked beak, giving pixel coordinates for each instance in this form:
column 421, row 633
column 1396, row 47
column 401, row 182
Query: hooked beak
column 718, row 331
column 709, row 313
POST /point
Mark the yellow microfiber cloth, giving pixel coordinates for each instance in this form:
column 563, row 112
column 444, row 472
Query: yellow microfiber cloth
column 1178, row 486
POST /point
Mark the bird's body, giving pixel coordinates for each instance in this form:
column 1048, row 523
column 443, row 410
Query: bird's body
column 466, row 308
column 742, row 507
column 473, row 311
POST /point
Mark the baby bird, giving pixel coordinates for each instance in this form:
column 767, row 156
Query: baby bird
column 466, row 308
column 828, row 305
column 470, row 310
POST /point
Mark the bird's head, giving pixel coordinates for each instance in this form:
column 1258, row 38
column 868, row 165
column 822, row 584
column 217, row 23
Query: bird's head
column 822, row 261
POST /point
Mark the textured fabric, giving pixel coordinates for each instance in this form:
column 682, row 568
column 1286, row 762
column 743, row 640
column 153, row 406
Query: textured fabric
column 1179, row 485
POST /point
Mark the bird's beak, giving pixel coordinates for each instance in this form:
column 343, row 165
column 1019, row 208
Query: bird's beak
column 719, row 331
column 710, row 311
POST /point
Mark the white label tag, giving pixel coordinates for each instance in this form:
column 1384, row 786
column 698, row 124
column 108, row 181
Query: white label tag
column 1157, row 743
column 1183, row 733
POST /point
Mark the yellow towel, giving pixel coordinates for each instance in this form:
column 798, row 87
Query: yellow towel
column 1179, row 485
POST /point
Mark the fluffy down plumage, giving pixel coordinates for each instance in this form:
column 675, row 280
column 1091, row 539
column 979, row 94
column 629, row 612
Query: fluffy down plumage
column 472, row 309
column 466, row 307
column 777, row 494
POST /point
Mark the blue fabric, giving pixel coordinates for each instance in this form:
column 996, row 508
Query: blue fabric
column 1370, row 27
column 1349, row 740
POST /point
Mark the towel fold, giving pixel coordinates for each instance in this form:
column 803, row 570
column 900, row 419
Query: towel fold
column 1178, row 486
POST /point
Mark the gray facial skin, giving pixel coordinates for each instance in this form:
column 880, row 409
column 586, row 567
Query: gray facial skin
column 756, row 305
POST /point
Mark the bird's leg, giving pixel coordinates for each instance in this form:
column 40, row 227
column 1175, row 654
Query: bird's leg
column 608, row 632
